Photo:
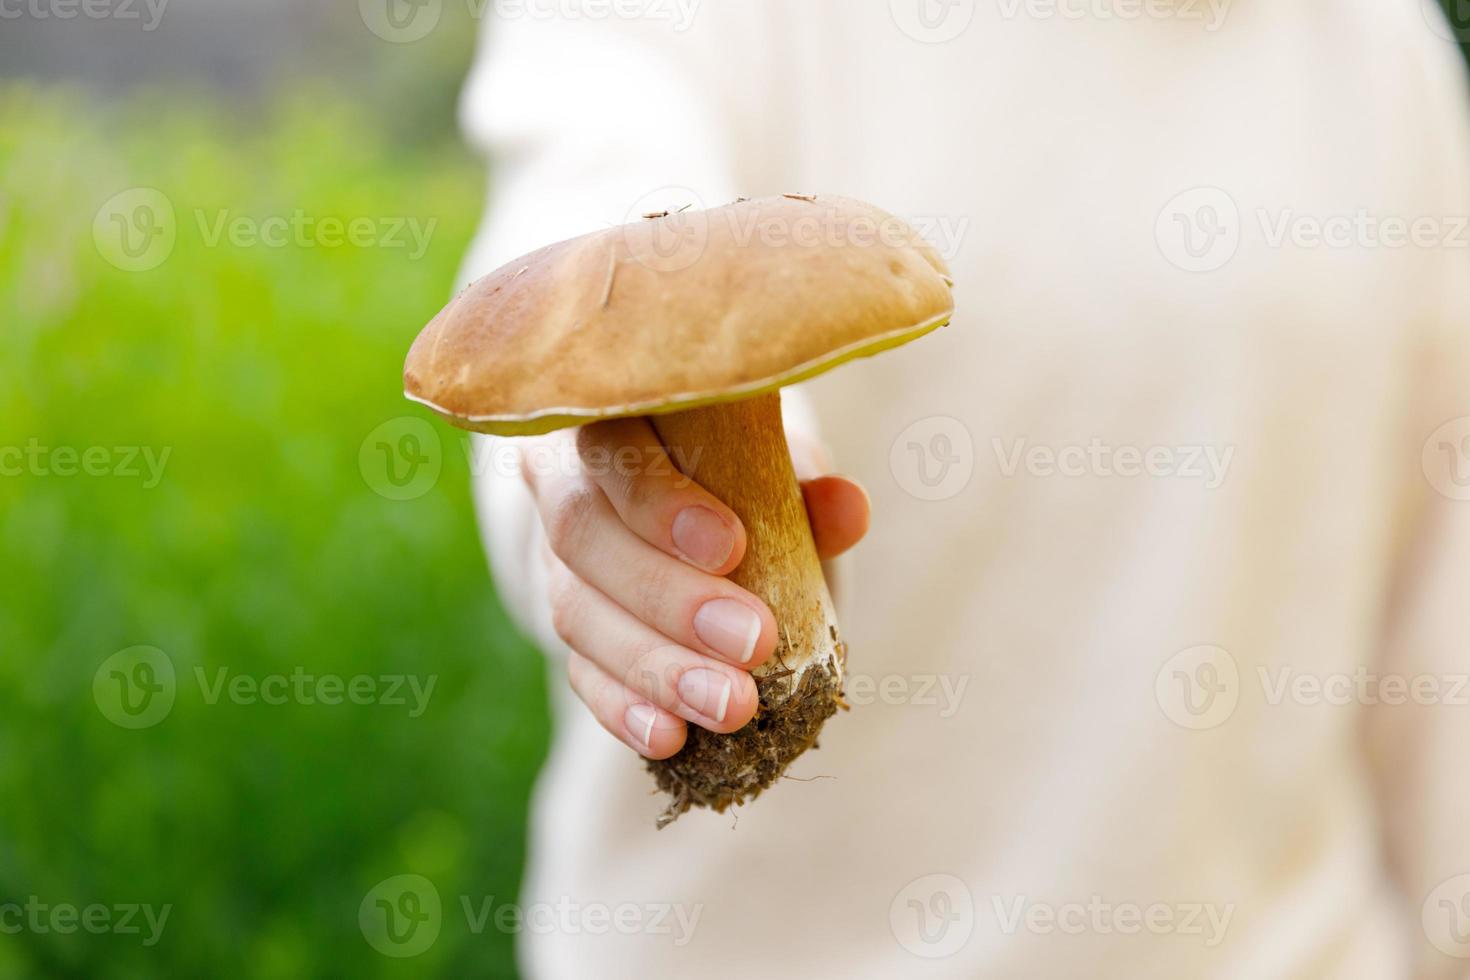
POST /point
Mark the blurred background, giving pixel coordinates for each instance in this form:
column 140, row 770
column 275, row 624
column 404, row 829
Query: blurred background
column 259, row 346
column 251, row 662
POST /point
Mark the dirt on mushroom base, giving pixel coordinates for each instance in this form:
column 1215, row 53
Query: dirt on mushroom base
column 716, row 771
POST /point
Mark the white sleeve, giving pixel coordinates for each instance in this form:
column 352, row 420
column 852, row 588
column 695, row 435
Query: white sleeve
column 1418, row 750
column 585, row 125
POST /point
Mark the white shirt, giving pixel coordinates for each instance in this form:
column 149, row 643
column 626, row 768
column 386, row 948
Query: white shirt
column 1164, row 523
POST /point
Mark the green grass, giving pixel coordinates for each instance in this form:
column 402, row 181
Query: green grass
column 263, row 549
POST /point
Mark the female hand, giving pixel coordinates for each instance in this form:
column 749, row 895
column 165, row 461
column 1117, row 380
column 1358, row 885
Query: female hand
column 637, row 554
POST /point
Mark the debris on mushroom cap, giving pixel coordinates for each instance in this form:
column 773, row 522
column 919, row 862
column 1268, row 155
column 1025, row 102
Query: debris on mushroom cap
column 653, row 215
column 694, row 308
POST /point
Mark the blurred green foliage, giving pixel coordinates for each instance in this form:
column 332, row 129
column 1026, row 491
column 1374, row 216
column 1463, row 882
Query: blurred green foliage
column 263, row 549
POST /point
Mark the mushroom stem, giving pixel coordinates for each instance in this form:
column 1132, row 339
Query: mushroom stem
column 737, row 451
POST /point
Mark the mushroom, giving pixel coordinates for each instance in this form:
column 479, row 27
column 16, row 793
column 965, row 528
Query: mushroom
column 697, row 319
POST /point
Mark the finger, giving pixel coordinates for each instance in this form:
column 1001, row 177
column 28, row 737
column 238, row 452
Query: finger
column 696, row 688
column 839, row 512
column 703, row 612
column 625, row 458
column 635, row 721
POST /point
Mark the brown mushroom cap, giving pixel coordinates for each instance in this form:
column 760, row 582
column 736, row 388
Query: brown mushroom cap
column 676, row 311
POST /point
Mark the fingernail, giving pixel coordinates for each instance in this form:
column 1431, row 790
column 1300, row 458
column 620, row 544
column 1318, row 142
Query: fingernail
column 639, row 720
column 731, row 628
column 702, row 537
column 706, row 691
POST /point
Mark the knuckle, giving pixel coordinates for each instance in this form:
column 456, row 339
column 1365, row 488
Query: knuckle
column 651, row 591
column 653, row 673
column 563, row 621
column 568, row 520
column 611, row 456
column 589, row 688
column 644, row 492
column 589, row 437
column 565, row 605
column 595, row 445
column 582, row 678
column 533, row 455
